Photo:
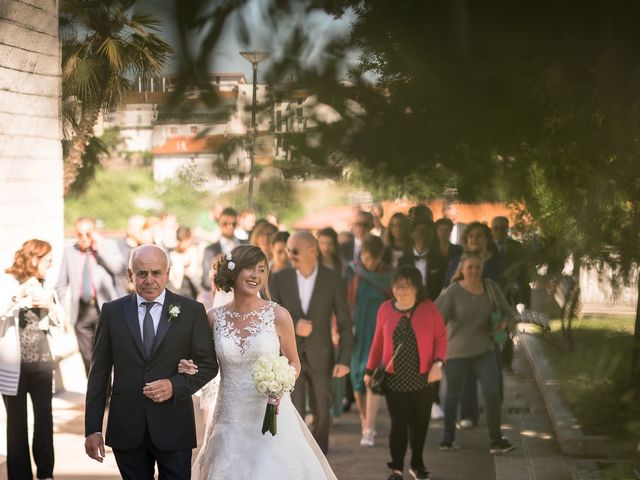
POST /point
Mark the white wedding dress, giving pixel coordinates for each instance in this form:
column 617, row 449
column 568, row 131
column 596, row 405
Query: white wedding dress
column 234, row 447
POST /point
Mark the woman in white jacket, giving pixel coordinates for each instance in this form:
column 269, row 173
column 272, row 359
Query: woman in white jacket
column 26, row 363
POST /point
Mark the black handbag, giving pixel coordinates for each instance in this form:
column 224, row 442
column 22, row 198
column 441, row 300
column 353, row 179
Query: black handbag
column 379, row 375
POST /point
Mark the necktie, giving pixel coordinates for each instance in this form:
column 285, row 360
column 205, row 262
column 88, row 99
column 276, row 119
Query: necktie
column 86, row 279
column 148, row 333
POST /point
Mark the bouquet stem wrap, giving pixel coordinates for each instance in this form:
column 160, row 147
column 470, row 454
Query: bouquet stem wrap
column 270, row 422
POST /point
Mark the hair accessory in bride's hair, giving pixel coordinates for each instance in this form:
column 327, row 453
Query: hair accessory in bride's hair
column 230, row 264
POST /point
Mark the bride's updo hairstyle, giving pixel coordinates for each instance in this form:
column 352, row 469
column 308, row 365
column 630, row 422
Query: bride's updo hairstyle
column 229, row 265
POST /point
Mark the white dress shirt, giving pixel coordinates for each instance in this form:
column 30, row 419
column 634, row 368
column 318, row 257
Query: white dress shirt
column 305, row 288
column 357, row 246
column 156, row 310
column 421, row 264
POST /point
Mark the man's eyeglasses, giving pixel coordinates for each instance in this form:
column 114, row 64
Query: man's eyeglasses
column 293, row 252
column 226, row 224
column 363, row 224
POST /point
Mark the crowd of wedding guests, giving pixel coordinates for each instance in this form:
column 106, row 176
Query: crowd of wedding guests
column 400, row 298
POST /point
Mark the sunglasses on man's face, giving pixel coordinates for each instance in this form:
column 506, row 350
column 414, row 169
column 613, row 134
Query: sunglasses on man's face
column 363, row 224
column 226, row 224
column 293, row 252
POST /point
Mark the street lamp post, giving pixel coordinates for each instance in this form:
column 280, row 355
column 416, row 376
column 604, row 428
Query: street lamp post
column 255, row 58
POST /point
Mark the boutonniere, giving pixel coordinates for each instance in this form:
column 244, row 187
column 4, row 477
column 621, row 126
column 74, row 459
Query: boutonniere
column 174, row 311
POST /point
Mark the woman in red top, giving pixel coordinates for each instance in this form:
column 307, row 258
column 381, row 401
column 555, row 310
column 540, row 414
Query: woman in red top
column 410, row 327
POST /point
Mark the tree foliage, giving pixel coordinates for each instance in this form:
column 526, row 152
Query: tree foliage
column 533, row 102
column 104, row 45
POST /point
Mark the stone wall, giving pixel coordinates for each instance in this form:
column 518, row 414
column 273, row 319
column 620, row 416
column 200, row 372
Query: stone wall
column 31, row 201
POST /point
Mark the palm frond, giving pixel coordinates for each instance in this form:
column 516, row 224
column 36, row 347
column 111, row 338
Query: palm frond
column 144, row 17
column 114, row 52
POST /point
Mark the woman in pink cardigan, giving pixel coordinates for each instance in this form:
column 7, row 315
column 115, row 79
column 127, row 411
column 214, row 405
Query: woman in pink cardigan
column 411, row 342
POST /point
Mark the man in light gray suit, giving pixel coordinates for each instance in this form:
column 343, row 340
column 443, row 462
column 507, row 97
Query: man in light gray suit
column 313, row 294
column 86, row 278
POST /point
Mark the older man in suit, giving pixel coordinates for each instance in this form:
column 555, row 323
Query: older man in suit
column 142, row 337
column 87, row 277
column 313, row 294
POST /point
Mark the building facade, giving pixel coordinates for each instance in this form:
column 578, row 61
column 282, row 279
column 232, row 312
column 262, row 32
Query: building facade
column 31, row 193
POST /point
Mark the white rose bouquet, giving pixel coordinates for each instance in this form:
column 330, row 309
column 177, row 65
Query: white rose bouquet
column 273, row 376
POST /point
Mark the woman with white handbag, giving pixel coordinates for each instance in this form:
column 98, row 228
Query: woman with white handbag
column 26, row 364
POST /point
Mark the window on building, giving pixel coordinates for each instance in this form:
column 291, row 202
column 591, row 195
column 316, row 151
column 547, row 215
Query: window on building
column 194, row 129
column 173, row 130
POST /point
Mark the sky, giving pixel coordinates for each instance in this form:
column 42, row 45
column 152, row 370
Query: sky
column 226, row 56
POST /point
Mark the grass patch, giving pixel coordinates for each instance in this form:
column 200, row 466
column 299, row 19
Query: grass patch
column 111, row 198
column 595, row 378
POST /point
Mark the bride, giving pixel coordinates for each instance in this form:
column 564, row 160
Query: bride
column 243, row 330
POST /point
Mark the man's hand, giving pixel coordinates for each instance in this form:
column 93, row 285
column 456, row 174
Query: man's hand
column 159, row 391
column 367, row 380
column 94, row 446
column 340, row 370
column 304, row 327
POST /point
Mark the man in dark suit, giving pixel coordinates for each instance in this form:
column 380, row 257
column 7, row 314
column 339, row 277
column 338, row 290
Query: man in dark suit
column 515, row 277
column 362, row 225
column 86, row 278
column 424, row 255
column 142, row 337
column 313, row 294
column 515, row 281
column 228, row 241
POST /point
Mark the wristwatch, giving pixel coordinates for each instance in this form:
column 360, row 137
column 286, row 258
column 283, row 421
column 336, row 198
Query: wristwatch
column 439, row 363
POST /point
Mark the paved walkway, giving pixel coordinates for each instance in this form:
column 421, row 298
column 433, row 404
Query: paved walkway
column 526, row 424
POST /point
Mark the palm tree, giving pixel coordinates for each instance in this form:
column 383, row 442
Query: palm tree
column 105, row 43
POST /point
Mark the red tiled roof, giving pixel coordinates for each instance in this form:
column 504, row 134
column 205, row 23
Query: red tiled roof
column 185, row 144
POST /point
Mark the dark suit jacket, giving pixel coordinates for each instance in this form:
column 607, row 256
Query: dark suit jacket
column 436, row 270
column 329, row 298
column 346, row 251
column 118, row 345
column 515, row 277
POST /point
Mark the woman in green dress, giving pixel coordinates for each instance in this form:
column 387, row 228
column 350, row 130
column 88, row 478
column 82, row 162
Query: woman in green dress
column 369, row 285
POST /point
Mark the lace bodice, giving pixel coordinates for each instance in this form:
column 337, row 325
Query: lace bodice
column 240, row 339
column 245, row 336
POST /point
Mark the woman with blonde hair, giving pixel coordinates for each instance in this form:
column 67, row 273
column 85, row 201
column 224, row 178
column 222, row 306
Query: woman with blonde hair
column 467, row 306
column 26, row 362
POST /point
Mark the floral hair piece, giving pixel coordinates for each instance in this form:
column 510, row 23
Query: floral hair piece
column 230, row 264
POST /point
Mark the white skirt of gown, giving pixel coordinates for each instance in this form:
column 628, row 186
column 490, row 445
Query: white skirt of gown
column 234, row 446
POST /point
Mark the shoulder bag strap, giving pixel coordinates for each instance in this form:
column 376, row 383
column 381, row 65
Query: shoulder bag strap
column 489, row 289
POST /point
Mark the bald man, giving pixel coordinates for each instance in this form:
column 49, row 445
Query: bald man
column 313, row 294
column 142, row 337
